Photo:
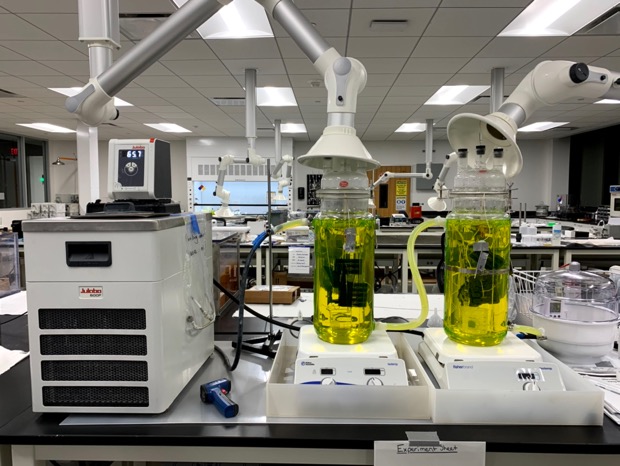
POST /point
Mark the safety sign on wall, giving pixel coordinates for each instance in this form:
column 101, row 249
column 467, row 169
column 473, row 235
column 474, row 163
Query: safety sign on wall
column 401, row 188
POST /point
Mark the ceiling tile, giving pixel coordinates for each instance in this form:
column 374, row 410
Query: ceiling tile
column 196, row 67
column 380, row 79
column 375, row 91
column 611, row 63
column 9, row 82
column 426, row 91
column 434, row 65
column 594, row 46
column 417, row 18
column 160, row 81
column 360, row 47
column 157, row 69
column 480, row 65
column 6, row 54
column 44, row 50
column 395, row 3
column 14, row 28
column 55, row 81
column 229, row 92
column 519, row 46
column 384, row 65
column 300, row 66
column 409, row 80
column 190, row 49
column 328, row 23
column 68, row 67
column 264, row 80
column 289, row 49
column 485, row 3
column 176, row 92
column 245, row 48
column 264, row 66
column 34, row 92
column 34, row 6
column 322, row 4
column 435, row 47
column 26, row 68
column 61, row 26
column 470, row 22
column 211, row 81
column 146, row 6
column 470, row 79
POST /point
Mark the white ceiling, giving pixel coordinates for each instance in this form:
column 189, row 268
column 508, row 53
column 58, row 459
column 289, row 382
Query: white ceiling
column 446, row 42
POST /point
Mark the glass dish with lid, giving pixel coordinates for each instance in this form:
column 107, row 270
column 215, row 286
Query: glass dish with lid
column 578, row 312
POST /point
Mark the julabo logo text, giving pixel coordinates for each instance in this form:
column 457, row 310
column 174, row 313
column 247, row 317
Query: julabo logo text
column 91, row 292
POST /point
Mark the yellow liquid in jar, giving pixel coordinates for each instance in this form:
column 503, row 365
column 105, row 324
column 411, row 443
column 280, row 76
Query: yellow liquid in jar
column 344, row 279
column 476, row 290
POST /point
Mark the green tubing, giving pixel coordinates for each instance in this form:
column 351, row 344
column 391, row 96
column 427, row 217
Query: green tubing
column 300, row 222
column 417, row 279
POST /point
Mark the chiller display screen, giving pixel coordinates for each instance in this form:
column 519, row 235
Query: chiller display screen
column 132, row 154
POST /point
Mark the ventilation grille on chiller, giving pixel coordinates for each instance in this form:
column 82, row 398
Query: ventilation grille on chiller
column 119, row 319
column 118, row 371
column 129, row 345
column 96, row 396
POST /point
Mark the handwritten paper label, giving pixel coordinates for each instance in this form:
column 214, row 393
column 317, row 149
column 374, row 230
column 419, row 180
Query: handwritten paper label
column 402, row 453
column 299, row 260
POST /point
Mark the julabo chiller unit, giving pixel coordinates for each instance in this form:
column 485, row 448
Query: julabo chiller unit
column 120, row 311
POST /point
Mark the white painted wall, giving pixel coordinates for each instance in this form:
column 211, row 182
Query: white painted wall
column 544, row 173
column 63, row 179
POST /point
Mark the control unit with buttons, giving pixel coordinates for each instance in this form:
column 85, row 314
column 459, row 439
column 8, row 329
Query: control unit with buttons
column 376, row 362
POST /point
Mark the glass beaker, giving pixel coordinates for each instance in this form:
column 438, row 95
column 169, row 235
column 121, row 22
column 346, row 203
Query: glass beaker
column 477, row 258
column 344, row 267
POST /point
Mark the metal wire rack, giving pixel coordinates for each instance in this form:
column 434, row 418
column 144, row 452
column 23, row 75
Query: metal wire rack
column 521, row 295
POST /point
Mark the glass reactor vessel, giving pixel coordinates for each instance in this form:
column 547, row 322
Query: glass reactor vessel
column 344, row 266
column 477, row 254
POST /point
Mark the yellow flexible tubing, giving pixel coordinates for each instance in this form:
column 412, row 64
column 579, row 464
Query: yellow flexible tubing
column 300, row 222
column 417, row 279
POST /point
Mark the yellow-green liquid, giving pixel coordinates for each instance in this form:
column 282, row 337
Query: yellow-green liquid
column 476, row 291
column 344, row 279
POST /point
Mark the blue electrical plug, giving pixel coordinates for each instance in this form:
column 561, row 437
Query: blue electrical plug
column 215, row 393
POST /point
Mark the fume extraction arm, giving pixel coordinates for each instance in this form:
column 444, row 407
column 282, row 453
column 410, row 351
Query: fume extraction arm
column 549, row 83
column 344, row 77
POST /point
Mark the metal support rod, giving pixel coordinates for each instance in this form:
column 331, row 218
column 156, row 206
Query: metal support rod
column 270, row 250
column 300, row 30
column 497, row 88
column 176, row 28
column 250, row 106
column 99, row 58
column 278, row 140
column 429, row 143
column 341, row 119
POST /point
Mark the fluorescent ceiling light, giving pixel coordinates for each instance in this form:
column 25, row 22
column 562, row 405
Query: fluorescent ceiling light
column 71, row 91
column 49, row 128
column 455, row 95
column 293, row 128
column 275, row 97
column 411, row 128
column 541, row 126
column 608, row 101
column 556, row 17
column 240, row 19
column 168, row 127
